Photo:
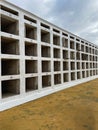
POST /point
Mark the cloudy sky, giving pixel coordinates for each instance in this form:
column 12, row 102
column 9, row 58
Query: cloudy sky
column 77, row 16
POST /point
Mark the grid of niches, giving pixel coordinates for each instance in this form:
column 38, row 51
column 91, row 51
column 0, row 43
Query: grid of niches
column 61, row 56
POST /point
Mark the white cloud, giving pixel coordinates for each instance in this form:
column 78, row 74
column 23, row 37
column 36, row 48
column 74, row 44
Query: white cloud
column 79, row 17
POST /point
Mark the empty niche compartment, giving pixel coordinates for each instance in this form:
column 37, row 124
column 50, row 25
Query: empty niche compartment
column 10, row 88
column 90, row 50
column 45, row 51
column 65, row 65
column 31, row 66
column 84, row 57
column 9, row 25
column 82, row 48
column 72, row 76
column 9, row 10
column 78, row 75
column 30, row 49
column 65, row 77
column 87, row 65
column 56, row 65
column 46, row 81
column 72, row 65
column 94, row 72
column 56, row 40
column 9, row 46
column 65, row 54
column 30, row 32
column 56, row 53
column 83, row 65
column 94, row 65
column 57, row 79
column 46, row 66
column 31, row 84
column 45, row 26
column 10, row 67
column 87, row 73
column 72, row 46
column 90, row 72
column 90, row 58
column 30, row 19
column 72, row 55
column 77, row 55
column 78, row 47
column 90, row 65
column 45, row 36
column 87, row 49
column 78, row 65
column 83, row 74
column 65, row 42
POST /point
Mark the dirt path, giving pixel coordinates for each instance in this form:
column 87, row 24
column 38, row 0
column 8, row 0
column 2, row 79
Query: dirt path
column 75, row 108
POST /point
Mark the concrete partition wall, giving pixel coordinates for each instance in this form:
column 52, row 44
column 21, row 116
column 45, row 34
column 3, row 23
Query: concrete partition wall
column 38, row 58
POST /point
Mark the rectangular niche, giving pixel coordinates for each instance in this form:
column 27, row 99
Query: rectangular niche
column 56, row 53
column 65, row 42
column 72, row 65
column 46, row 66
column 78, row 65
column 87, row 49
column 78, row 47
column 56, row 40
column 57, row 66
column 77, row 55
column 9, row 46
column 31, row 66
column 57, row 79
column 45, row 36
column 10, row 67
column 9, row 25
column 90, row 72
column 72, row 76
column 10, row 88
column 72, row 55
column 45, row 51
column 72, row 45
column 87, row 65
column 82, row 48
column 30, row 32
column 31, row 84
column 30, row 49
column 65, row 77
column 65, row 66
column 83, row 65
column 87, row 73
column 78, row 75
column 46, row 81
column 83, row 74
column 65, row 54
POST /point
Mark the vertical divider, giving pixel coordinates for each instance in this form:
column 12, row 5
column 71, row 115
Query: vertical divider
column 39, row 57
column 75, row 60
column 52, row 65
column 22, row 53
column 69, row 58
column 81, row 63
column 61, row 59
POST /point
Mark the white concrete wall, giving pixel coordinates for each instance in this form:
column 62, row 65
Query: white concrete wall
column 18, row 77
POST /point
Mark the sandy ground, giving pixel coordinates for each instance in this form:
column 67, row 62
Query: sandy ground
column 75, row 108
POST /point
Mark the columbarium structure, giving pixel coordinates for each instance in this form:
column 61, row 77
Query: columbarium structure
column 38, row 58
